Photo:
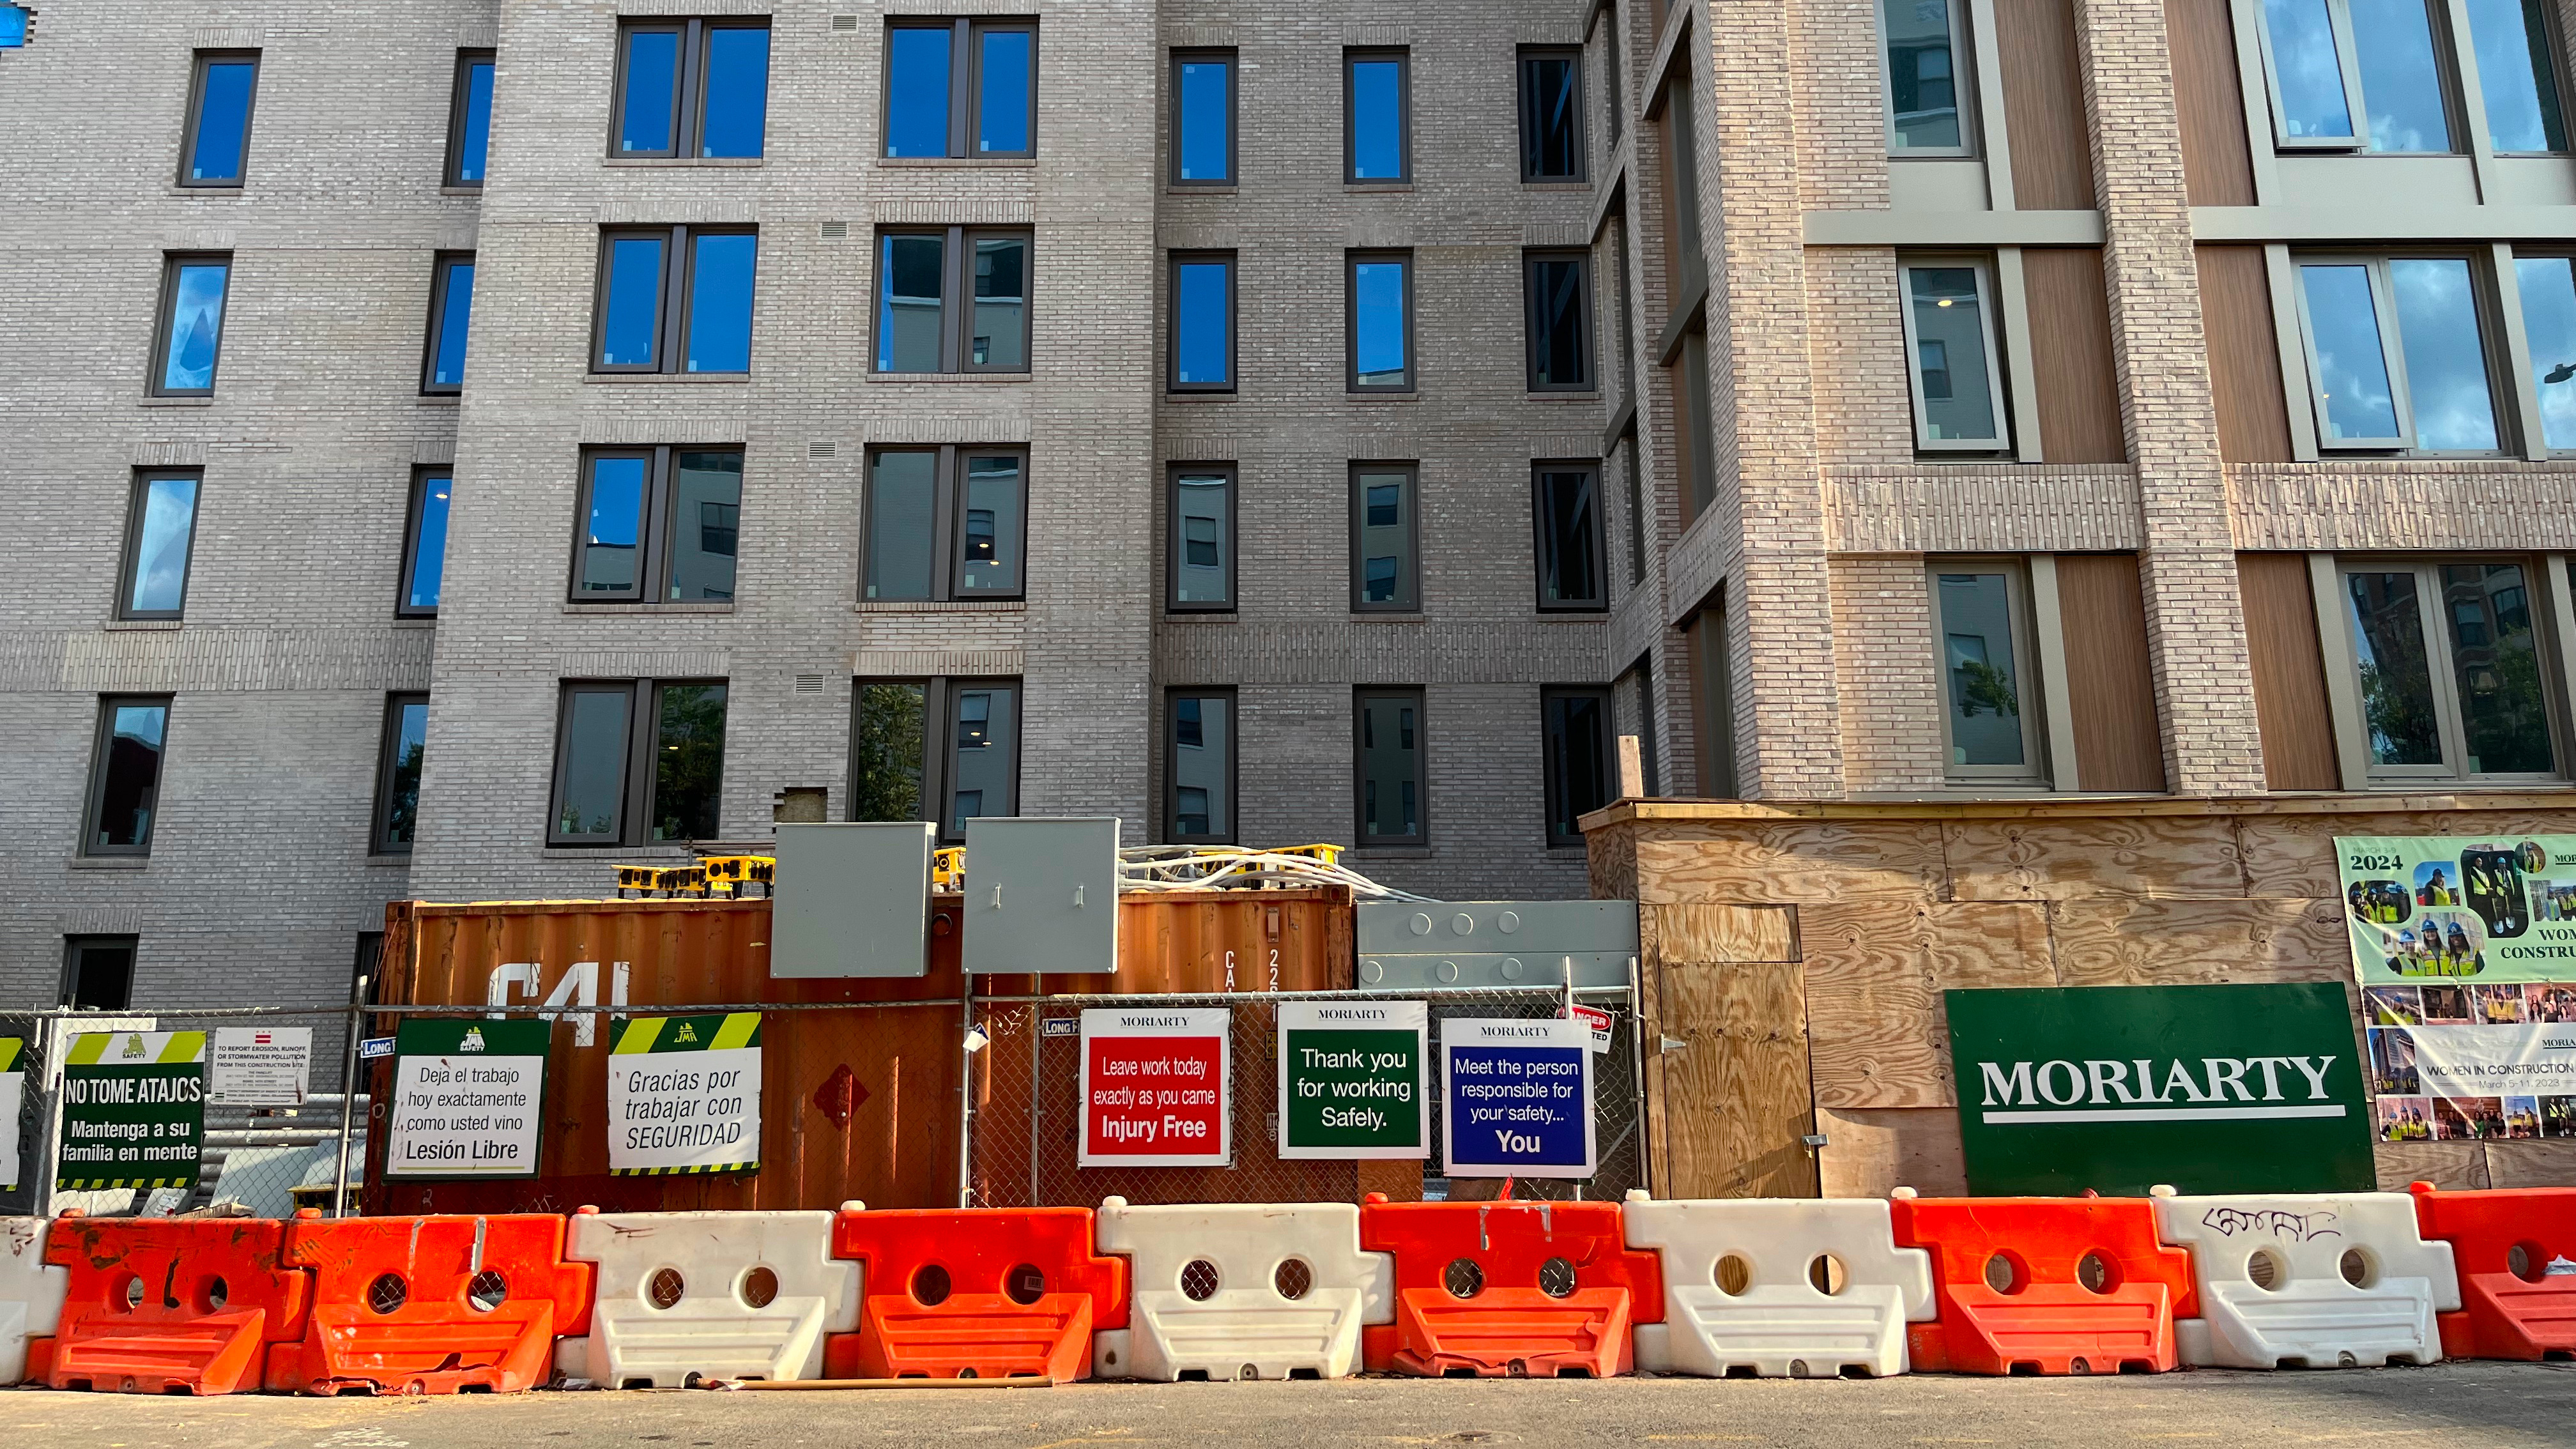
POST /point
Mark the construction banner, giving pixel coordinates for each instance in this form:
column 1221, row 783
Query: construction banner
column 134, row 1110
column 684, row 1095
column 13, row 1096
column 468, row 1097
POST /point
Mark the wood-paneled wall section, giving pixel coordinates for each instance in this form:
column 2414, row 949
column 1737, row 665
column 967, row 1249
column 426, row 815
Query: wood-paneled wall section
column 2070, row 348
column 2244, row 355
column 2111, row 691
column 2052, row 153
column 2210, row 102
column 2289, row 672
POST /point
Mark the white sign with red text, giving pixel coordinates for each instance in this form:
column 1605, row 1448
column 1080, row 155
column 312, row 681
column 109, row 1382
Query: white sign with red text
column 1156, row 1088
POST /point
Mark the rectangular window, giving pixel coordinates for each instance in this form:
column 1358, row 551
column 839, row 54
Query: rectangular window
column 2518, row 72
column 216, row 149
column 160, row 538
column 1377, row 105
column 638, row 761
column 1577, row 730
column 961, row 88
column 1558, row 289
column 942, row 750
column 469, row 120
column 1712, row 700
column 191, row 328
column 125, row 774
column 2397, row 355
column 691, row 88
column 424, row 563
column 2452, row 679
column 1202, row 118
column 660, row 523
column 1925, row 49
column 398, row 773
column 1565, row 500
column 1385, row 544
column 1198, row 767
column 1202, row 321
column 945, row 523
column 1957, row 376
column 1614, row 61
column 675, row 299
column 98, row 972
column 1387, row 766
column 1552, row 115
column 1201, row 538
column 1980, row 613
column 924, row 324
column 1685, row 268
column 2548, row 286
column 451, row 308
column 2357, row 75
column 1379, row 323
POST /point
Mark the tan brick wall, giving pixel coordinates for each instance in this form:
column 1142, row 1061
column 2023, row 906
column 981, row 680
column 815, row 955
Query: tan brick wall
column 1888, row 668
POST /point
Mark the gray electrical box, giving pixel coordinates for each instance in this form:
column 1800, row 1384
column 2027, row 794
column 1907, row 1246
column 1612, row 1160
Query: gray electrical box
column 1041, row 895
column 1416, row 945
column 851, row 900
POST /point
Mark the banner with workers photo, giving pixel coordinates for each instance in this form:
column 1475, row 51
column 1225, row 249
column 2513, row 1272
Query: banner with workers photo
column 2465, row 950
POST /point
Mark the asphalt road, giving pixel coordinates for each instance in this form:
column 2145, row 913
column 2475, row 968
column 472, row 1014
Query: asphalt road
column 2491, row 1406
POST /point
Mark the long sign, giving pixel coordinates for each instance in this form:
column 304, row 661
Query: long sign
column 2117, row 1088
column 468, row 1097
column 13, row 1096
column 1351, row 1079
column 134, row 1110
column 1156, row 1088
column 684, row 1095
column 1519, row 1098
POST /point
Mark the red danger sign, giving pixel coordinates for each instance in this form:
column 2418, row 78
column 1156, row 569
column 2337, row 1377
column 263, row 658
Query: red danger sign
column 1156, row 1088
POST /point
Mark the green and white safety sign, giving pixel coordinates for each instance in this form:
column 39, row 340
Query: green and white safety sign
column 134, row 1110
column 1351, row 1081
column 468, row 1096
column 684, row 1095
column 13, row 1097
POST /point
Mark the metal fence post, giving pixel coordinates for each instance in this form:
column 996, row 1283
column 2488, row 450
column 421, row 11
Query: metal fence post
column 348, row 1098
column 965, row 1091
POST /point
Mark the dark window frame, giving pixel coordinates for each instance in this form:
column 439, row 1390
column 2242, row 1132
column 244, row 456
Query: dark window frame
column 939, row 756
column 1542, row 548
column 101, row 735
column 676, row 297
column 957, row 300
column 1528, row 108
column 947, row 529
column 130, row 557
column 688, row 86
column 441, row 279
column 1352, row 260
column 1172, row 540
column 1172, row 697
column 1203, row 55
column 172, row 264
column 1553, row 765
column 379, row 838
column 460, row 102
column 412, row 511
column 965, row 87
column 1233, row 320
column 68, row 989
column 1361, row 840
column 1353, row 56
column 1412, row 472
column 195, row 115
column 1586, row 321
column 643, row 729
column 654, row 532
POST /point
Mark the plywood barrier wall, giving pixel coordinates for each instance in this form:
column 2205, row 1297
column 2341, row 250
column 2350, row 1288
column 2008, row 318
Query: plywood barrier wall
column 1795, row 956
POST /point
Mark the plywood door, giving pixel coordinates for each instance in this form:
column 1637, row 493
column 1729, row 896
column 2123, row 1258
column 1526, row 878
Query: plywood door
column 1736, row 1102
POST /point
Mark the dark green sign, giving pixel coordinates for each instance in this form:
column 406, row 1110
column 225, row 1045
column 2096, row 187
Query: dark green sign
column 2118, row 1088
column 469, row 1097
column 134, row 1110
column 1351, row 1080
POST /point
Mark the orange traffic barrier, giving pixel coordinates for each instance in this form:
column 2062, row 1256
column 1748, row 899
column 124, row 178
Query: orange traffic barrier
column 169, row 1305
column 2515, row 1249
column 431, row 1305
column 2045, row 1285
column 1490, row 1289
column 974, row 1293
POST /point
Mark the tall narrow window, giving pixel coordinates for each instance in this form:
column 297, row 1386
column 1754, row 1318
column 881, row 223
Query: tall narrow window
column 638, row 761
column 675, row 299
column 2396, row 354
column 2451, row 678
column 1377, row 101
column 2518, row 72
column 1923, row 48
column 961, row 88
column 1698, row 435
column 1201, row 538
column 1198, row 767
column 1576, row 729
column 886, row 735
column 661, row 523
column 942, row 750
column 945, row 523
column 2548, row 286
column 451, row 309
column 469, row 119
column 190, row 334
column 1558, row 289
column 688, row 760
column 997, row 336
column 1958, row 383
column 1202, row 321
column 1379, row 287
column 125, row 774
column 1712, row 698
column 1387, row 758
column 424, row 564
column 691, row 88
column 217, row 145
column 160, row 539
column 1985, row 723
column 1552, row 115
column 983, row 744
column 1565, row 501
column 924, row 325
column 1385, row 544
column 1203, row 118
column 98, row 972
column 398, row 773
column 2357, row 75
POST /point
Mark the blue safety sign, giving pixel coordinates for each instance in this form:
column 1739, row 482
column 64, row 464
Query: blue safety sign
column 1517, row 1098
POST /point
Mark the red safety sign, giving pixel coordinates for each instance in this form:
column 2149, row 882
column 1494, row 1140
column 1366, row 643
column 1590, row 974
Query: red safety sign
column 1155, row 1088
column 1595, row 1018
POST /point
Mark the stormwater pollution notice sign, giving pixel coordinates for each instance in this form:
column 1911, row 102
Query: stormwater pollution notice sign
column 134, row 1110
column 684, row 1095
column 1351, row 1079
column 468, row 1097
column 13, row 1097
column 1156, row 1088
column 1519, row 1098
column 261, row 1066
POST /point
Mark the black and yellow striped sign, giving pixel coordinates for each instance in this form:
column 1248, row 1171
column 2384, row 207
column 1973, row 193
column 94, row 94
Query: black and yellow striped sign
column 684, row 1095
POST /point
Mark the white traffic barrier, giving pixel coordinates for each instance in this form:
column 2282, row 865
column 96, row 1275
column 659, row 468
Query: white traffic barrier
column 708, row 1295
column 1240, row 1290
column 31, row 1294
column 1785, row 1288
column 2313, row 1280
